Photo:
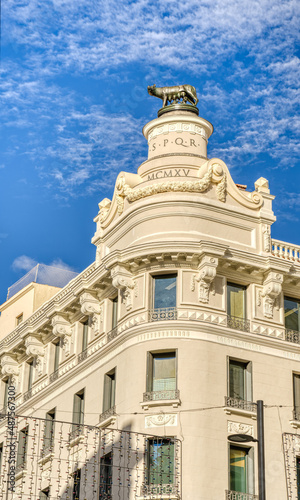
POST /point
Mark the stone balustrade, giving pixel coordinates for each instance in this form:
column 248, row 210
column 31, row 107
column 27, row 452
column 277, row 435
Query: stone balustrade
column 285, row 250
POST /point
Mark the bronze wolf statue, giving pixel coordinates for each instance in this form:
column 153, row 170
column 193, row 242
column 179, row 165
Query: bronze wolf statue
column 169, row 94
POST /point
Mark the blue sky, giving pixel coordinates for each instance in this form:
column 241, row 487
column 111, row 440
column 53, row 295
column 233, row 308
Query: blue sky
column 73, row 93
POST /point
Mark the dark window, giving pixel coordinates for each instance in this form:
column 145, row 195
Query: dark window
column 6, row 384
column 161, row 373
column 56, row 355
column 85, row 332
column 49, row 432
column 160, row 461
column 241, row 470
column 1, row 456
column 109, row 391
column 236, row 300
column 296, row 387
column 114, row 318
column 105, row 477
column 78, row 409
column 164, row 291
column 298, row 477
column 240, row 380
column 44, row 494
column 291, row 314
column 22, row 448
column 76, row 485
column 30, row 375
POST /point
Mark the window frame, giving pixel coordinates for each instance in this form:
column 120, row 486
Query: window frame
column 250, row 470
column 149, row 367
column 85, row 335
column 148, row 458
column 49, row 430
column 245, row 289
column 114, row 311
column 248, row 378
column 297, row 301
column 166, row 274
column 76, row 484
column 109, row 389
column 23, row 434
column 30, row 371
column 19, row 319
column 57, row 354
column 81, row 395
column 105, row 488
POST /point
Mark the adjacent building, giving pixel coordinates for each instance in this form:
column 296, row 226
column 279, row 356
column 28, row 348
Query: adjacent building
column 130, row 378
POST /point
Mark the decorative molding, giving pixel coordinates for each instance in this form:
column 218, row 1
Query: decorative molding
column 104, row 207
column 10, row 367
column 35, row 348
column 271, row 291
column 63, row 329
column 205, row 278
column 161, row 420
column 266, row 230
column 89, row 304
column 177, row 127
column 96, row 320
column 240, row 428
column 213, row 175
column 122, row 279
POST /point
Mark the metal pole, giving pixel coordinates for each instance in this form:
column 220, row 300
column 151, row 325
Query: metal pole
column 261, row 451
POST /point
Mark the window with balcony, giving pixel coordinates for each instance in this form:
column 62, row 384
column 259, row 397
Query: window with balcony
column 106, row 471
column 76, row 485
column 48, row 441
column 296, row 391
column 240, row 385
column 160, row 467
column 161, row 376
column 241, row 471
column 78, row 414
column 109, row 395
column 236, row 307
column 292, row 319
column 164, row 298
column 22, row 449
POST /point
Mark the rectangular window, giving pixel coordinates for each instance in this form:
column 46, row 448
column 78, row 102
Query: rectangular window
column 56, row 346
column 30, row 375
column 164, row 291
column 106, row 469
column 76, row 485
column 236, row 300
column 22, row 448
column 296, row 391
column 85, row 332
column 240, row 380
column 5, row 391
column 114, row 319
column 49, row 432
column 109, row 392
column 19, row 319
column 160, row 462
column 78, row 410
column 161, row 373
column 241, row 470
column 298, row 476
column 1, row 455
column 291, row 314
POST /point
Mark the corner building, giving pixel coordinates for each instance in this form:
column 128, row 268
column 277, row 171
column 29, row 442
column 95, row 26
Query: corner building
column 131, row 377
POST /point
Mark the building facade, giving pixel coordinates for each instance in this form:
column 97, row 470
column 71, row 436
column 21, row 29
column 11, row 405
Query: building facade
column 130, row 379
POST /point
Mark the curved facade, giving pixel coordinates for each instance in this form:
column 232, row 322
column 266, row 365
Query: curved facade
column 187, row 317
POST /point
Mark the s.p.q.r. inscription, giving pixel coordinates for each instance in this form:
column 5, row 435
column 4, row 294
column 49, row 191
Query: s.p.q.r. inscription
column 179, row 141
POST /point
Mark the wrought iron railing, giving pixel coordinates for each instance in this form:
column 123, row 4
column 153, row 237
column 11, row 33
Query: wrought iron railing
column 76, row 432
column 240, row 404
column 237, row 495
column 170, row 490
column 108, row 413
column 292, row 336
column 163, row 314
column 238, row 323
column 27, row 395
column 161, row 395
column 112, row 334
column 54, row 376
column 82, row 355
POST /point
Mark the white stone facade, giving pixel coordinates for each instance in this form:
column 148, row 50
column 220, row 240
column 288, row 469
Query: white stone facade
column 181, row 214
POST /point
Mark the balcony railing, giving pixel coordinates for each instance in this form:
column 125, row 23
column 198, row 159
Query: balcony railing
column 238, row 323
column 240, row 404
column 161, row 395
column 292, row 336
column 76, row 432
column 108, row 413
column 170, row 490
column 236, row 495
column 285, row 250
column 82, row 355
column 27, row 395
column 54, row 376
column 163, row 314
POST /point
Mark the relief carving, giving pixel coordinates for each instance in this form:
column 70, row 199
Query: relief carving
column 10, row 367
column 122, row 279
column 96, row 321
column 266, row 237
column 161, row 420
column 239, row 428
column 63, row 329
column 89, row 304
column 205, row 278
column 35, row 349
column 270, row 294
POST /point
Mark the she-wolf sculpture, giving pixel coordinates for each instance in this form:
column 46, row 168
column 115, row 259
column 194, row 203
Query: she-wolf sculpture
column 169, row 94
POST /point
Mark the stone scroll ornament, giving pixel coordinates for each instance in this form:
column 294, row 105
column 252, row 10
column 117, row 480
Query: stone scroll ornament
column 205, row 278
column 10, row 368
column 35, row 349
column 123, row 280
column 123, row 191
column 270, row 293
column 63, row 329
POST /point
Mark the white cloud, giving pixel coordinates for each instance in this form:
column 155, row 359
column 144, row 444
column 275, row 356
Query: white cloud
column 62, row 265
column 23, row 263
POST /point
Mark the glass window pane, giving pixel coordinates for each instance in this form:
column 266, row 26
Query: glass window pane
column 298, row 477
column 109, row 390
column 56, row 355
column 165, row 291
column 85, row 335
column 114, row 312
column 164, row 372
column 236, row 300
column 105, row 477
column 161, row 461
column 237, row 379
column 296, row 380
column 238, row 469
column 291, row 314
